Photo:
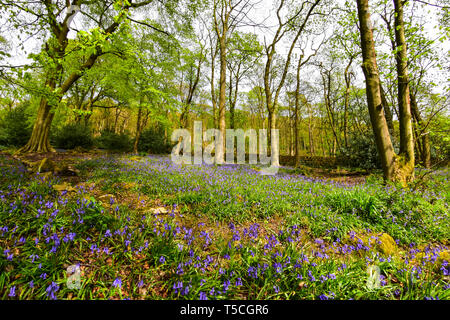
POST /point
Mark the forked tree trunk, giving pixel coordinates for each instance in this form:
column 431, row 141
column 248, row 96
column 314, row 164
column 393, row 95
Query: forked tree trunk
column 395, row 168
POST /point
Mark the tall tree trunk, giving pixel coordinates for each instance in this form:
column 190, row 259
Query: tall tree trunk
column 274, row 143
column 404, row 107
column 222, row 99
column 327, row 101
column 39, row 141
column 213, row 87
column 138, row 128
column 422, row 138
column 310, row 132
column 346, row 100
column 399, row 168
column 387, row 112
column 231, row 102
column 370, row 69
column 296, row 111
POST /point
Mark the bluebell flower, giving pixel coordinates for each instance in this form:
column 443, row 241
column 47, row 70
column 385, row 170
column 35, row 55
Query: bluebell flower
column 177, row 286
column 117, row 283
column 226, row 285
column 180, row 270
column 12, row 292
column 52, row 289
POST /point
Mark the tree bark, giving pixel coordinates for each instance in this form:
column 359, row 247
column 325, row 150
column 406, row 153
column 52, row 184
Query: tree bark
column 222, row 34
column 375, row 106
column 138, row 128
column 346, row 100
column 398, row 168
column 404, row 107
column 387, row 112
column 296, row 111
column 222, row 98
column 422, row 138
column 310, row 133
column 39, row 141
column 330, row 113
column 213, row 87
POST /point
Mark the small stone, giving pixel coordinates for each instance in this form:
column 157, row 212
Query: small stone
column 64, row 187
column 158, row 210
column 387, row 245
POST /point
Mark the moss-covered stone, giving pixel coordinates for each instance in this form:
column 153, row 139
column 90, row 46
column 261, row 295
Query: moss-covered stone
column 387, row 244
column 382, row 243
column 443, row 256
column 64, row 187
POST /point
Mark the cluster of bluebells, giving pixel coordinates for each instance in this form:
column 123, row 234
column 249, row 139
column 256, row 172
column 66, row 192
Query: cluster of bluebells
column 230, row 261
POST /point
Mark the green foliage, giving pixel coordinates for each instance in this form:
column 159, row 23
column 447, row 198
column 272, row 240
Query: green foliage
column 361, row 152
column 73, row 135
column 440, row 139
column 14, row 129
column 153, row 140
column 112, row 141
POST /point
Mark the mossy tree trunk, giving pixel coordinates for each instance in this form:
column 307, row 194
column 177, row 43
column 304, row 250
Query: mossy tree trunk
column 396, row 168
column 39, row 140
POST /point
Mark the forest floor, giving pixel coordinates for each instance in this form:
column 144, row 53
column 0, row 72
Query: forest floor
column 140, row 227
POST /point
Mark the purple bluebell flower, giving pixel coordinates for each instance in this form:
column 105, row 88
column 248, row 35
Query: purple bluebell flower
column 51, row 290
column 12, row 291
column 117, row 283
